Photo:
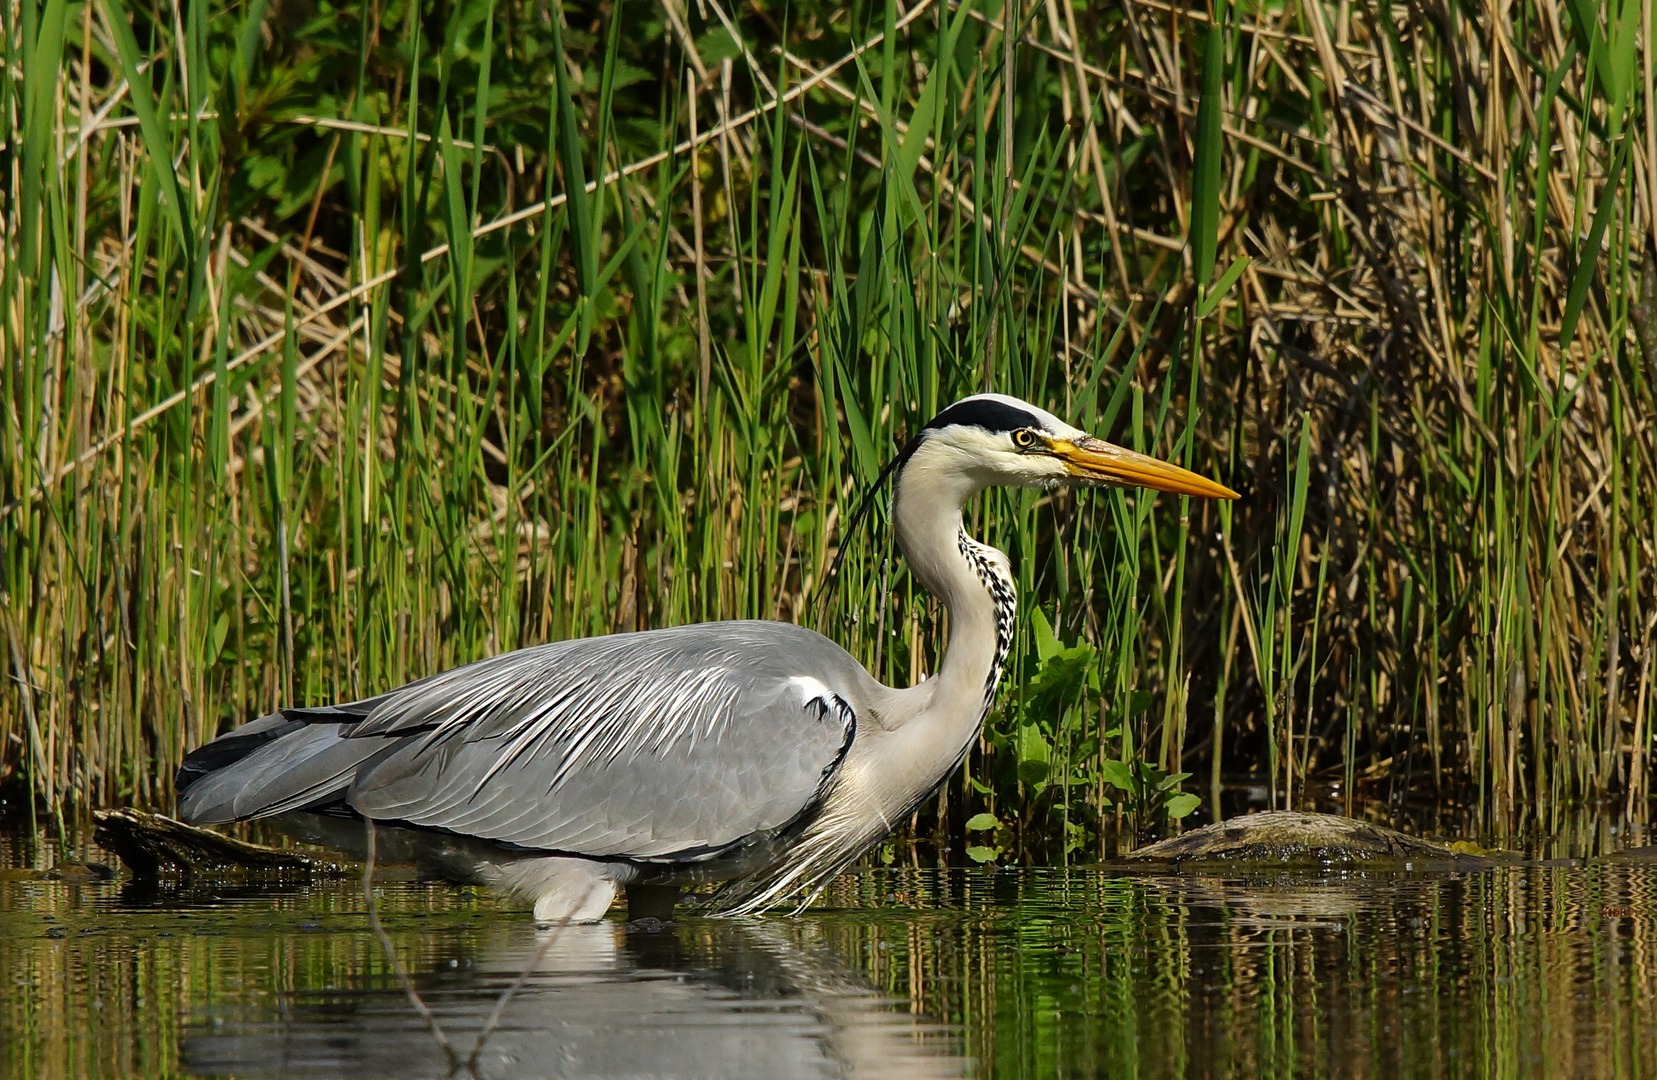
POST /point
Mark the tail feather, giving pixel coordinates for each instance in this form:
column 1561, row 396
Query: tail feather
column 232, row 747
column 273, row 765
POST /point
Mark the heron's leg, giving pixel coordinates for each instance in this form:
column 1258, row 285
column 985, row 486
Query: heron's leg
column 651, row 902
column 576, row 907
column 573, row 890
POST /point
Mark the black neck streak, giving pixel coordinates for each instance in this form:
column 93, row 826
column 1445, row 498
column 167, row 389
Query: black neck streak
column 1000, row 588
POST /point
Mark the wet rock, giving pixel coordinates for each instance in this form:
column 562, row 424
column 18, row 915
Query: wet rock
column 79, row 872
column 66, row 873
column 1289, row 838
column 1646, row 854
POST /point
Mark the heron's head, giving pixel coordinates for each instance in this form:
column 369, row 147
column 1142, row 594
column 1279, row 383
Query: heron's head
column 994, row 439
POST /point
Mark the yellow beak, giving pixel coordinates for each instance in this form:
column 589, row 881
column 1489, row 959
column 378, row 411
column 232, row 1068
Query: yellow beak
column 1101, row 462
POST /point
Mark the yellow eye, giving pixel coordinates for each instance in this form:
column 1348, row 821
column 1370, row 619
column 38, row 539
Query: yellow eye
column 1024, row 438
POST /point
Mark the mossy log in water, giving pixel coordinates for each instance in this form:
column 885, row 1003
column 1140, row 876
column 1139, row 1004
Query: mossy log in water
column 154, row 846
column 1289, row 838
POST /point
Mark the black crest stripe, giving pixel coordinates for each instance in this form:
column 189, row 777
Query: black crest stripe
column 987, row 413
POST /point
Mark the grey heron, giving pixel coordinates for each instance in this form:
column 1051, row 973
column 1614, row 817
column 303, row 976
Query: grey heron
column 758, row 754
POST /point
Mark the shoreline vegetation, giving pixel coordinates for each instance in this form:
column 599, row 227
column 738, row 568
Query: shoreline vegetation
column 344, row 343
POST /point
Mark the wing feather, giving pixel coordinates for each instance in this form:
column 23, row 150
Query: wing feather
column 660, row 745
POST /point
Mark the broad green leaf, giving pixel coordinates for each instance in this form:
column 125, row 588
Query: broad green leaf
column 1046, row 643
column 1181, row 805
column 1118, row 775
column 1059, row 679
column 1172, row 780
column 715, row 45
column 1034, row 756
column 1032, row 744
column 982, row 823
column 979, row 853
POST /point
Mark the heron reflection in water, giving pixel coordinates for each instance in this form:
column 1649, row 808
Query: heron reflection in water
column 760, row 754
column 730, row 999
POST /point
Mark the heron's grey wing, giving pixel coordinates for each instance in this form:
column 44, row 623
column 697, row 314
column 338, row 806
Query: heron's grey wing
column 296, row 759
column 672, row 744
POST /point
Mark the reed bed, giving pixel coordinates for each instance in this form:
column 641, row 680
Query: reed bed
column 345, row 343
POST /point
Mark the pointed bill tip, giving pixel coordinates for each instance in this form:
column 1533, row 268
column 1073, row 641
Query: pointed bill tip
column 1102, row 462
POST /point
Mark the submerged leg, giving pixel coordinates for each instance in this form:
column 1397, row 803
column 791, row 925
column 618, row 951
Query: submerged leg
column 651, row 902
column 577, row 890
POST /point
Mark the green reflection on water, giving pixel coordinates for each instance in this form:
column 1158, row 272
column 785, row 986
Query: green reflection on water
column 1534, row 972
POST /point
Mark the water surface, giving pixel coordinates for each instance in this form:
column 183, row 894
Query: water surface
column 1520, row 971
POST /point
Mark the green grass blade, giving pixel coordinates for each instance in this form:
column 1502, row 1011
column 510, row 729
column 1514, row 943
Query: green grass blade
column 1588, row 256
column 156, row 140
column 583, row 243
column 1206, row 175
column 44, row 57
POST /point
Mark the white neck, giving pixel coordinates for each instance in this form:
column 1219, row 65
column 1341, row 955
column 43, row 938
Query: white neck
column 973, row 581
column 917, row 736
